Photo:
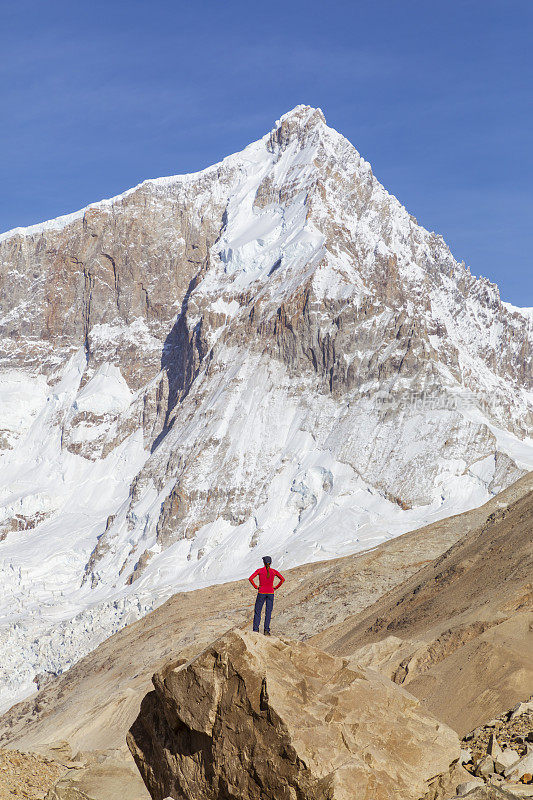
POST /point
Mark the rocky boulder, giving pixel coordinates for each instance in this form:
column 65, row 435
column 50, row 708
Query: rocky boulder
column 272, row 719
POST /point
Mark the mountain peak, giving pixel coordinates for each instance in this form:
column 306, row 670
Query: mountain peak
column 302, row 113
column 298, row 124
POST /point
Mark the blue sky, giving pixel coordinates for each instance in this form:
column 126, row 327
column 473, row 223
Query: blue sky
column 98, row 96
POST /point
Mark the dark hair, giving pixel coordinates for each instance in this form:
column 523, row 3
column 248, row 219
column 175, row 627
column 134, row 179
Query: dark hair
column 267, row 562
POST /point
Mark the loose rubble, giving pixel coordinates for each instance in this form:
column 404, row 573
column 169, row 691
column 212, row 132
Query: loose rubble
column 499, row 755
column 27, row 775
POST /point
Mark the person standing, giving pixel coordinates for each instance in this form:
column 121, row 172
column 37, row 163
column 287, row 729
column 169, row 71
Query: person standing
column 265, row 592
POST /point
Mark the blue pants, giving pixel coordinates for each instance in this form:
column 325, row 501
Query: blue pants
column 259, row 602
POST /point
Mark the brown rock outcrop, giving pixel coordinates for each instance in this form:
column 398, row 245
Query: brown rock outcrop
column 268, row 718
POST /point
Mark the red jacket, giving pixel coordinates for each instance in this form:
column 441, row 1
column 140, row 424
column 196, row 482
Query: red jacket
column 266, row 582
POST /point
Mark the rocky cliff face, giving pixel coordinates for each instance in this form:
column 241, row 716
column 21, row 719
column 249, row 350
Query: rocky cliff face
column 270, row 353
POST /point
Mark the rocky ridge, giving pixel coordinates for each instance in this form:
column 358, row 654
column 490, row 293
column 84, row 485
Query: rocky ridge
column 271, row 353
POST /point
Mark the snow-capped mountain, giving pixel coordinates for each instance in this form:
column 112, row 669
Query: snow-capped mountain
column 268, row 355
